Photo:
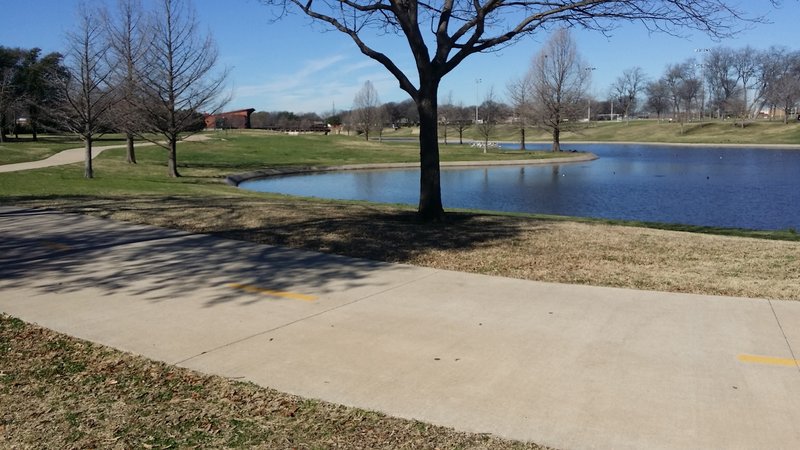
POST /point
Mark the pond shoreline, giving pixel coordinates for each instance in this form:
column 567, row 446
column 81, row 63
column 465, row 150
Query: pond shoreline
column 665, row 144
column 236, row 179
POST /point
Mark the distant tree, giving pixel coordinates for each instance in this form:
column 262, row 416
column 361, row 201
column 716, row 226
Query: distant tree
column 745, row 66
column 446, row 114
column 441, row 35
column 520, row 93
column 559, row 84
column 86, row 91
column 36, row 90
column 367, row 111
column 409, row 111
column 259, row 119
column 772, row 63
column 181, row 79
column 348, row 121
column 783, row 88
column 10, row 62
column 658, row 97
column 721, row 79
column 627, row 88
column 127, row 34
column 683, row 87
column 462, row 119
column 489, row 113
column 393, row 113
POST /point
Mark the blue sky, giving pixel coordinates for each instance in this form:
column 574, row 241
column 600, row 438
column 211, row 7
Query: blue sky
column 295, row 65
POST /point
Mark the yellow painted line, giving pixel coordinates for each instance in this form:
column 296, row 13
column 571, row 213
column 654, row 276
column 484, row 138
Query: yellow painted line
column 272, row 293
column 769, row 360
column 55, row 245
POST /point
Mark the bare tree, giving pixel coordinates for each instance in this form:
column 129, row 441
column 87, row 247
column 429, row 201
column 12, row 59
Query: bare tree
column 367, row 111
column 441, row 34
column 772, row 63
column 446, row 112
column 181, row 81
column 658, row 97
column 745, row 65
column 783, row 88
column 721, row 79
column 128, row 42
column 519, row 92
column 488, row 123
column 627, row 88
column 85, row 89
column 462, row 118
column 683, row 86
column 559, row 84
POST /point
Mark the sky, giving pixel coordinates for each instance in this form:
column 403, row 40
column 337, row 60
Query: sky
column 293, row 64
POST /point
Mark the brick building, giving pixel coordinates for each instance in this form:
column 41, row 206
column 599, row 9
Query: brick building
column 232, row 119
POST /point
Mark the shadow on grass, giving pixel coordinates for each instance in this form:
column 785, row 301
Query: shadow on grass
column 66, row 253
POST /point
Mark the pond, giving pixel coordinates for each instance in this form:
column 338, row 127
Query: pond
column 710, row 186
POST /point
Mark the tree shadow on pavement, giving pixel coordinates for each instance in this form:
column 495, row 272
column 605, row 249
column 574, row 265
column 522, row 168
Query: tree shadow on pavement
column 59, row 252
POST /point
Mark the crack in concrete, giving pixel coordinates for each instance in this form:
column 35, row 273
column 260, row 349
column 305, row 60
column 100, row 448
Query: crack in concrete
column 302, row 319
column 785, row 338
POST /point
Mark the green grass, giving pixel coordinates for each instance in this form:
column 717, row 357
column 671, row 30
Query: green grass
column 708, row 132
column 204, row 164
column 25, row 149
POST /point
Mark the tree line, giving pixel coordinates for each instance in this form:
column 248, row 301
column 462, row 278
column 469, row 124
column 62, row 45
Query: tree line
column 147, row 74
column 552, row 95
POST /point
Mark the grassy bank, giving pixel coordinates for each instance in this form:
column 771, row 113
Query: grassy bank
column 708, row 132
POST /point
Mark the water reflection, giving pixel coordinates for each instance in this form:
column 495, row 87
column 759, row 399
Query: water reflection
column 744, row 188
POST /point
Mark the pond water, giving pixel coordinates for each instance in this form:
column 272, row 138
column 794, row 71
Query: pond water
column 711, row 186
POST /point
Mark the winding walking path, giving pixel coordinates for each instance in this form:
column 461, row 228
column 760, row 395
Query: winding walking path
column 76, row 155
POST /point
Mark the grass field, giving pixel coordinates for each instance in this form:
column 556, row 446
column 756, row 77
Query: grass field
column 710, row 132
column 80, row 395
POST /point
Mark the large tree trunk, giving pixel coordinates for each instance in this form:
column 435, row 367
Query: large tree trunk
column 88, row 171
column 556, row 139
column 172, row 160
column 34, row 121
column 131, row 154
column 522, row 139
column 430, row 193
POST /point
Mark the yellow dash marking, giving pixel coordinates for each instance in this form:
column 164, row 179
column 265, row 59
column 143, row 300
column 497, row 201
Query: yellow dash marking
column 55, row 245
column 769, row 360
column 270, row 292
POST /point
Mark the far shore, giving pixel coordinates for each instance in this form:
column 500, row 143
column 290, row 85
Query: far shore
column 236, row 179
column 669, row 144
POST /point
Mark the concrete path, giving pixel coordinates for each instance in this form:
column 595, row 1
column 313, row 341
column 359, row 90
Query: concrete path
column 71, row 156
column 567, row 366
column 77, row 155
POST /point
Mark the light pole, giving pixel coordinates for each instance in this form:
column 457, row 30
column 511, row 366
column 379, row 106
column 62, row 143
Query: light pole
column 589, row 100
column 702, row 81
column 477, row 82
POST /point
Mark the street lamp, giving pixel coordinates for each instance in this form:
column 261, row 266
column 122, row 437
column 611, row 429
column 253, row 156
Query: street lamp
column 702, row 81
column 589, row 100
column 477, row 82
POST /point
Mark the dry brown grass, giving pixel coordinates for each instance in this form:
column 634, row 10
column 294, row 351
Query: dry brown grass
column 61, row 392
column 545, row 250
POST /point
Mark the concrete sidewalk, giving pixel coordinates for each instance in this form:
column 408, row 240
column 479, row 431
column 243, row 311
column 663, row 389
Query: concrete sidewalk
column 77, row 155
column 561, row 365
